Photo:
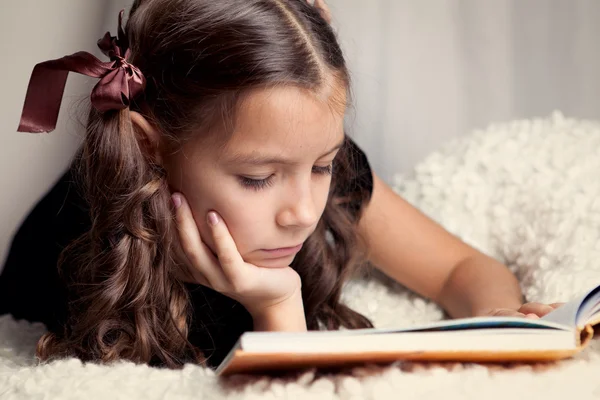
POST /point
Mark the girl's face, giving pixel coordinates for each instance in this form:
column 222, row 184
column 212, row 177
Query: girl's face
column 270, row 181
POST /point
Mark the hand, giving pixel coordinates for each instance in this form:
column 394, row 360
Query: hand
column 538, row 309
column 256, row 288
column 527, row 310
column 323, row 9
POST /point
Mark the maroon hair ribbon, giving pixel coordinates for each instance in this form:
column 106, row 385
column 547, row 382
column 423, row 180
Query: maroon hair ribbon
column 119, row 82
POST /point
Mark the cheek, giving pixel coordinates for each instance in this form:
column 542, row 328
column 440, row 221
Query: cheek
column 245, row 216
column 322, row 195
column 246, row 220
column 244, row 213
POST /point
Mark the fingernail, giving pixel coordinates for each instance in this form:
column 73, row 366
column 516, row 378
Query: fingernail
column 176, row 198
column 212, row 218
column 532, row 315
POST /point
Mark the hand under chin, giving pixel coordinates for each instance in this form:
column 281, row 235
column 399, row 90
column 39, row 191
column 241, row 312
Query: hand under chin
column 271, row 263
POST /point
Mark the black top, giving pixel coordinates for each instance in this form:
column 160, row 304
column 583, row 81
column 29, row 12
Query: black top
column 31, row 289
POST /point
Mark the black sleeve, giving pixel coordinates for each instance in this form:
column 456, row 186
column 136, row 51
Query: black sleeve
column 30, row 287
column 217, row 322
column 354, row 186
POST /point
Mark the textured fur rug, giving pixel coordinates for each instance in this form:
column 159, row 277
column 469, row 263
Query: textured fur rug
column 526, row 192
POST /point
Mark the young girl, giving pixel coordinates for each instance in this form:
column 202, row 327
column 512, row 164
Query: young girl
column 216, row 192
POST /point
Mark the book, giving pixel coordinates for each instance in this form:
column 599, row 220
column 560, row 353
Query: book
column 558, row 335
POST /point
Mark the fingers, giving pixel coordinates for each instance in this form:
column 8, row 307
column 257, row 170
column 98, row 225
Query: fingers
column 194, row 276
column 538, row 309
column 506, row 312
column 323, row 9
column 528, row 310
column 227, row 253
column 203, row 265
column 225, row 271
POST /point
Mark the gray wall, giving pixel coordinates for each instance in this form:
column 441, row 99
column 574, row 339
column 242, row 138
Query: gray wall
column 33, row 31
column 430, row 70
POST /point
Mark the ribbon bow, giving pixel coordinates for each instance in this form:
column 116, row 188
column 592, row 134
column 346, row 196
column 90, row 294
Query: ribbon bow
column 119, row 82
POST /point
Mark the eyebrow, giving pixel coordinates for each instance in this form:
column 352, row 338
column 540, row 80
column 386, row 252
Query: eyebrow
column 259, row 159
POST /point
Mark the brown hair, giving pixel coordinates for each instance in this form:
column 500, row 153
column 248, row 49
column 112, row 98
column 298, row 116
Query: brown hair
column 199, row 57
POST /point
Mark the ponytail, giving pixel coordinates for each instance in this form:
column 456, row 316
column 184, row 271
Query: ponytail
column 125, row 299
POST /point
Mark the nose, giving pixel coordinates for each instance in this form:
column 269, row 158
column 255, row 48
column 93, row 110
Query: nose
column 300, row 209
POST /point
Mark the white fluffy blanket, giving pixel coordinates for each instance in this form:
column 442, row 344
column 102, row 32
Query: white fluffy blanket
column 526, row 192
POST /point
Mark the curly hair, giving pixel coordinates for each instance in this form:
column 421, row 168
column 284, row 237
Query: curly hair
column 127, row 300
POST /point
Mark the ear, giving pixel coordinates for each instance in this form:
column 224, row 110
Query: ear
column 147, row 135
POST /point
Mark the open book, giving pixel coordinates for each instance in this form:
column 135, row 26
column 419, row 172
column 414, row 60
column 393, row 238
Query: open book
column 558, row 335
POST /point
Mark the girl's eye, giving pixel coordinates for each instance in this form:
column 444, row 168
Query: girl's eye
column 256, row 184
column 323, row 170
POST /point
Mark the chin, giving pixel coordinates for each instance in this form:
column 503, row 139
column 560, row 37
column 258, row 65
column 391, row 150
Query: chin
column 273, row 263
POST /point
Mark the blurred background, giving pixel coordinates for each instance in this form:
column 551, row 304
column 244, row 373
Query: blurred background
column 424, row 72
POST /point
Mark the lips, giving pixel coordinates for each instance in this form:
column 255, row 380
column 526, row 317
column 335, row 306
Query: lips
column 282, row 251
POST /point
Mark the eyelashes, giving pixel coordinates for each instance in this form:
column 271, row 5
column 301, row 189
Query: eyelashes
column 259, row 184
column 323, row 170
column 256, row 184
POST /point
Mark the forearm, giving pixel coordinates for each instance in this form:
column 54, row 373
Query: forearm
column 285, row 316
column 478, row 285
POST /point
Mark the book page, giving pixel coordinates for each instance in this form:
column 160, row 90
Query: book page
column 590, row 308
column 577, row 312
column 475, row 324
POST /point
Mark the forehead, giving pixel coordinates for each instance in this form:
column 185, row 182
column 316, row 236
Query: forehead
column 288, row 119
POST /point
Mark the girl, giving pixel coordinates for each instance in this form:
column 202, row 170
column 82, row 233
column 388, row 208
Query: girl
column 216, row 192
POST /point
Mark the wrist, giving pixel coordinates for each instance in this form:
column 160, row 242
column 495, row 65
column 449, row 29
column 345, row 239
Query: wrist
column 287, row 315
column 479, row 285
column 508, row 300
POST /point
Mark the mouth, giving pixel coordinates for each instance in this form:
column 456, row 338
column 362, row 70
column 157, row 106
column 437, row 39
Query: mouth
column 282, row 251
